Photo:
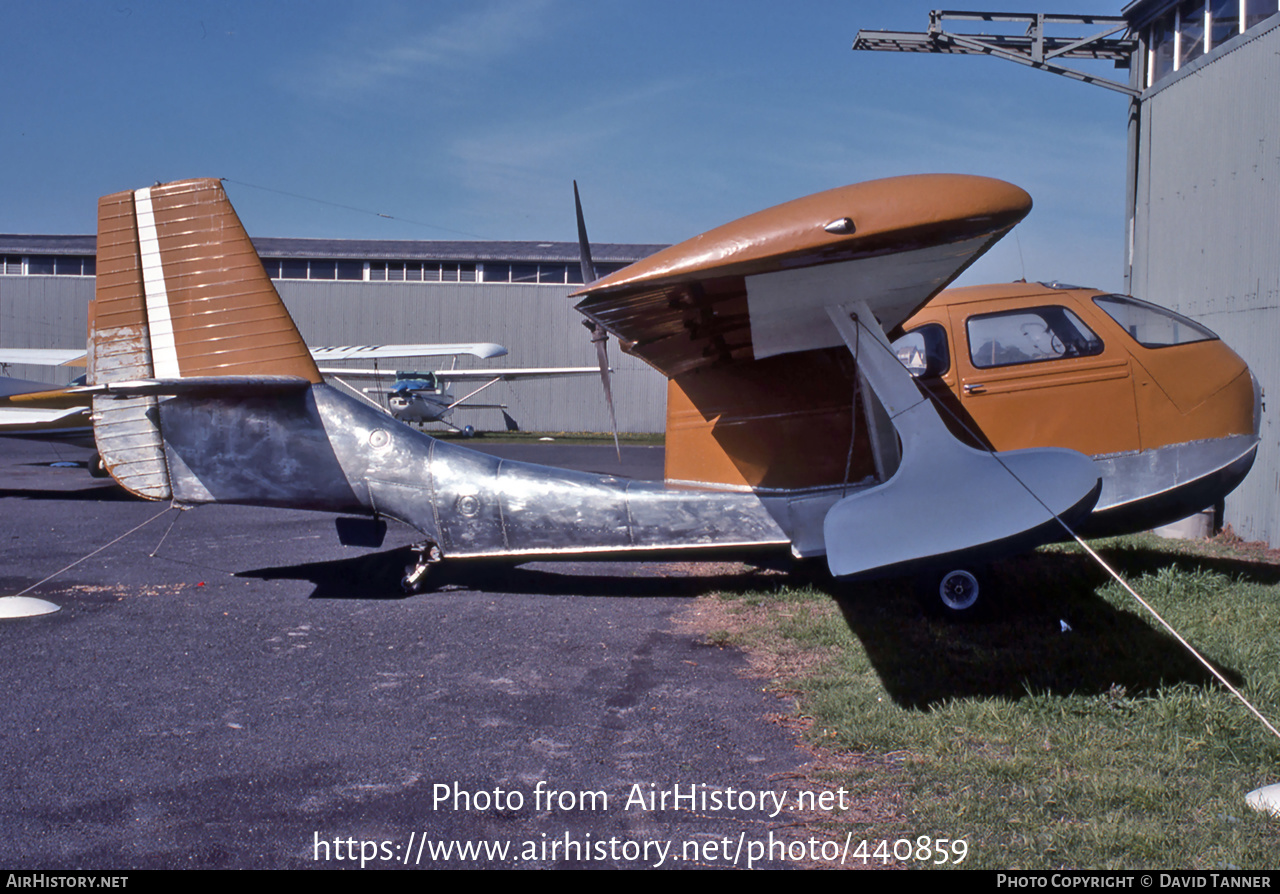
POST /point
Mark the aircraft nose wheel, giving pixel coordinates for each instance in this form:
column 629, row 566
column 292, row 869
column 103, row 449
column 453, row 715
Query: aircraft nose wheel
column 959, row 591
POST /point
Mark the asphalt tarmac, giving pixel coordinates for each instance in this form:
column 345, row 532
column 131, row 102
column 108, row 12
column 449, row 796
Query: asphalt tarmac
column 255, row 695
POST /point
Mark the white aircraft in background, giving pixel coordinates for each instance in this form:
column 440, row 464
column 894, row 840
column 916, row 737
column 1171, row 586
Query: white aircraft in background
column 420, row 397
column 46, row 411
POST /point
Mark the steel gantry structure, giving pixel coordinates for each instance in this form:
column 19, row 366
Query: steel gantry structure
column 1035, row 47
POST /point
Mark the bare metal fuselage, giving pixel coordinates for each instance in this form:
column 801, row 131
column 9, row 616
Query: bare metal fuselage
column 320, row 449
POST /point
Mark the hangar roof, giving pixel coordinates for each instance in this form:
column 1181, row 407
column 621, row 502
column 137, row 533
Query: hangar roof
column 366, row 249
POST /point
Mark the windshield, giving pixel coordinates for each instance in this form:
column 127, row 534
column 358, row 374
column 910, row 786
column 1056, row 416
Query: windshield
column 1149, row 324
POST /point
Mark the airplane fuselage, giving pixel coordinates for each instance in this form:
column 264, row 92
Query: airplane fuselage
column 418, row 406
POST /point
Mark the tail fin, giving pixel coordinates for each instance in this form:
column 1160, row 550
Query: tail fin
column 181, row 293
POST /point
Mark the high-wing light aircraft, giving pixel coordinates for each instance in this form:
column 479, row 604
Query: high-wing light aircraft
column 42, row 410
column 52, row 412
column 791, row 421
column 422, row 396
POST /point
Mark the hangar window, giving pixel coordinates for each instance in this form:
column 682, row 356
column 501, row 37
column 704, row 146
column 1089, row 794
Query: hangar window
column 1029, row 335
column 924, row 351
column 1225, row 18
column 40, row 265
column 1160, row 63
column 1257, row 10
column 1188, row 30
column 1149, row 324
column 48, row 265
column 524, row 272
column 322, row 270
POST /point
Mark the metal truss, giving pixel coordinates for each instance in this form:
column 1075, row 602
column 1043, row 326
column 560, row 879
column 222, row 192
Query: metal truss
column 1034, row 48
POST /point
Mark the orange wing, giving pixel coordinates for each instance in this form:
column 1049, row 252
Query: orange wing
column 762, row 390
column 757, row 286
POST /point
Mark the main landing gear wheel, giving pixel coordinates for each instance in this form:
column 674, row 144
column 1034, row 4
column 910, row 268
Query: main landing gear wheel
column 958, row 591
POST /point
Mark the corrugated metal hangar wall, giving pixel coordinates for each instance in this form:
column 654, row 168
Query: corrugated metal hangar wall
column 537, row 323
column 1206, row 225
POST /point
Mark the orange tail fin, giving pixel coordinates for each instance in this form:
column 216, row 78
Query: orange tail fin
column 181, row 293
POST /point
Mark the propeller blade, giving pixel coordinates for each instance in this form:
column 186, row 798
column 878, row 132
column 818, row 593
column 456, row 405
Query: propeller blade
column 584, row 247
column 599, row 337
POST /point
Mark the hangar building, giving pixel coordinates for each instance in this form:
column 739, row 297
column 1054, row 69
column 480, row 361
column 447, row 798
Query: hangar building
column 350, row 292
column 1204, row 196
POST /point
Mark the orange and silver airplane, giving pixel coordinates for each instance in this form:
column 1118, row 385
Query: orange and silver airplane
column 791, row 421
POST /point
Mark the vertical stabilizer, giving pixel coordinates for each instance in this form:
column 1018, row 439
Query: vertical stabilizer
column 181, row 293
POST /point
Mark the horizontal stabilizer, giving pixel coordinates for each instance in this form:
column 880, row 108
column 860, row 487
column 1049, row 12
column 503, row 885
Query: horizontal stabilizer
column 483, row 350
column 452, row 375
column 11, row 388
column 244, row 386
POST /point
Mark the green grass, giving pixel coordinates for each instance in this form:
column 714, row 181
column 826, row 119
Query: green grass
column 1105, row 746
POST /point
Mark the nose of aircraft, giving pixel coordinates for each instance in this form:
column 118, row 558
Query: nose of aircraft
column 1193, row 392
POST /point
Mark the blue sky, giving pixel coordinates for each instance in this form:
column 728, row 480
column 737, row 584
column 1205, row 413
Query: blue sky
column 471, row 119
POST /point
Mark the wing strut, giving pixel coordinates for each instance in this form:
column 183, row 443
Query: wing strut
column 599, row 337
column 945, row 499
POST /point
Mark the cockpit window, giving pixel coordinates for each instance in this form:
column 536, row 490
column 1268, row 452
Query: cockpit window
column 1029, row 335
column 1149, row 324
column 424, row 381
column 924, row 351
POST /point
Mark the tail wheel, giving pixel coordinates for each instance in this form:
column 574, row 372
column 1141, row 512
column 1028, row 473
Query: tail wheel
column 97, row 468
column 959, row 591
column 428, row 555
column 414, row 575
